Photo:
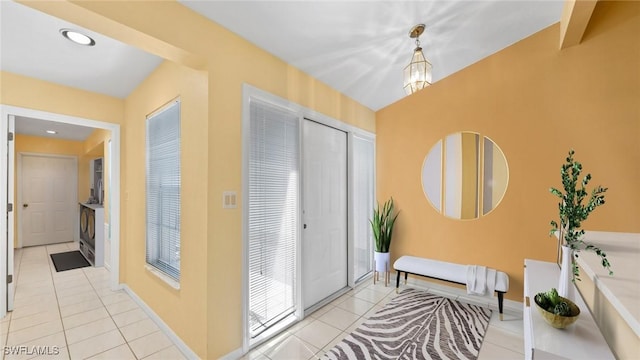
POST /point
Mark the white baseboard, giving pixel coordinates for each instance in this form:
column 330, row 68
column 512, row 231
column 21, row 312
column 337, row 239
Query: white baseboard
column 513, row 307
column 186, row 351
column 234, row 355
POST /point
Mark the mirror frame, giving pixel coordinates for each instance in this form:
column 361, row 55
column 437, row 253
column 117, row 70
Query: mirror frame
column 436, row 157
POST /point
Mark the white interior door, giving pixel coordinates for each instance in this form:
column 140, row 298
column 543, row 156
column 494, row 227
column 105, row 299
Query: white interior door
column 48, row 206
column 324, row 247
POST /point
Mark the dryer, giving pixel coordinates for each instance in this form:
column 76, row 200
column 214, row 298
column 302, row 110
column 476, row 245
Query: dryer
column 92, row 233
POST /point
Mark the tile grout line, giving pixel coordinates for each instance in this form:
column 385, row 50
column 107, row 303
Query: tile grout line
column 55, row 290
column 114, row 322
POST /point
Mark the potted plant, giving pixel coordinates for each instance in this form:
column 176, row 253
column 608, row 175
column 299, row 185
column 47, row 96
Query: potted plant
column 382, row 227
column 576, row 203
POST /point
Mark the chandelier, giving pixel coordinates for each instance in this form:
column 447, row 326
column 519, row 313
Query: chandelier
column 417, row 75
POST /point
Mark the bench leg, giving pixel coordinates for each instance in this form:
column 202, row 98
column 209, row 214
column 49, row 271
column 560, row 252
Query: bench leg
column 398, row 281
column 500, row 301
column 405, row 277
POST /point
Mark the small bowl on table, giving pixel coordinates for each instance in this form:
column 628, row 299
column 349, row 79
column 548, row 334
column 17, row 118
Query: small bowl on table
column 560, row 321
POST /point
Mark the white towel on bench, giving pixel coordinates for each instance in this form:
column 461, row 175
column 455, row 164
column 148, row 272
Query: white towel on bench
column 480, row 280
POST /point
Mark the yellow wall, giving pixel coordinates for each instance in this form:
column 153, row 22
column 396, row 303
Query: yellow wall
column 231, row 62
column 183, row 310
column 536, row 102
column 22, row 91
column 43, row 145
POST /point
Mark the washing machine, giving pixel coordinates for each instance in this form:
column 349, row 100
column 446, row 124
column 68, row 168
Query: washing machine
column 87, row 232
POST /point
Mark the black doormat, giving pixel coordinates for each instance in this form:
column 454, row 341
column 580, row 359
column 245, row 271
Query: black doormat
column 69, row 260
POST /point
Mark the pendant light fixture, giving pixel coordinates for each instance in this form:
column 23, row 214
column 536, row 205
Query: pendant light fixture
column 417, row 75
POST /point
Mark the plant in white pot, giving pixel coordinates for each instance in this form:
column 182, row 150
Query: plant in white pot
column 382, row 227
column 575, row 206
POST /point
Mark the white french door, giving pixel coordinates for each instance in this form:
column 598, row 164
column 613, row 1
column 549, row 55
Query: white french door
column 308, row 191
column 48, row 203
column 324, row 245
column 363, row 195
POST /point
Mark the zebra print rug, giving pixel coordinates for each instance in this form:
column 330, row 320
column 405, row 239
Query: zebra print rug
column 417, row 325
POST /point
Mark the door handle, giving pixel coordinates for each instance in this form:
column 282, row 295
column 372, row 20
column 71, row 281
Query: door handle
column 25, row 205
column 305, row 226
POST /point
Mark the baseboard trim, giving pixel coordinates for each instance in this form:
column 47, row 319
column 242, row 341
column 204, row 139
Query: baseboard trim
column 186, row 351
column 234, row 355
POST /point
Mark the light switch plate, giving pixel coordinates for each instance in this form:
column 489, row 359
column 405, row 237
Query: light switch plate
column 229, row 200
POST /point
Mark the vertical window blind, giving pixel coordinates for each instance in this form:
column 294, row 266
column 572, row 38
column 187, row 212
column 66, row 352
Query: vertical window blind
column 272, row 214
column 163, row 190
column 364, row 189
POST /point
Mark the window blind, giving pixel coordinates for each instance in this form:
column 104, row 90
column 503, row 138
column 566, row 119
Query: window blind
column 163, row 190
column 364, row 189
column 272, row 214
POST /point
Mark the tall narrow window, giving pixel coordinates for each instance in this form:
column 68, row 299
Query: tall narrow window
column 364, row 202
column 273, row 215
column 163, row 190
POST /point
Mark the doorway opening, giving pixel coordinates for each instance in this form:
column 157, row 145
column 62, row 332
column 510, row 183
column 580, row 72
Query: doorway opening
column 7, row 195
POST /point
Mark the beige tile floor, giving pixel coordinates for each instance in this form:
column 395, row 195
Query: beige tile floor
column 319, row 332
column 76, row 312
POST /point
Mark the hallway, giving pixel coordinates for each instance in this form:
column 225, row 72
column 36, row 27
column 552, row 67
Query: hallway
column 74, row 314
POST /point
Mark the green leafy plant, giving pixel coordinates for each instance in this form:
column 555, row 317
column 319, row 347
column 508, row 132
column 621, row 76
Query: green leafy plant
column 575, row 206
column 382, row 225
column 553, row 303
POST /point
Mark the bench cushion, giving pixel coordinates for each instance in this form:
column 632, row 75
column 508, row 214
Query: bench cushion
column 444, row 270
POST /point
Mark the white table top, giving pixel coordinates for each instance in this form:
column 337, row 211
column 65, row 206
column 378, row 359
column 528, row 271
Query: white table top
column 581, row 340
column 623, row 288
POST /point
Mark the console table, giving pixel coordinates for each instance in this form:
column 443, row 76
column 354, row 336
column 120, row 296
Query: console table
column 582, row 340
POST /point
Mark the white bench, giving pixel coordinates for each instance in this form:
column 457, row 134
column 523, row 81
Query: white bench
column 446, row 271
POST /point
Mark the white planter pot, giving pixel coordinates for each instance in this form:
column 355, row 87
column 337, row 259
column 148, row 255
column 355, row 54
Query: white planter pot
column 382, row 261
column 566, row 288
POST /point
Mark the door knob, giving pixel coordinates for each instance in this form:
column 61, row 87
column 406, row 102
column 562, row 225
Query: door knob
column 25, row 205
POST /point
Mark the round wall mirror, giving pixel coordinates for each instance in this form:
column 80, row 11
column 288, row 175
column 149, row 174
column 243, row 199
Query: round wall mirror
column 465, row 175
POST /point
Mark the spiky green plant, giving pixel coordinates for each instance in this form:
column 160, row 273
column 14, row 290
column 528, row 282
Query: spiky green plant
column 573, row 211
column 382, row 225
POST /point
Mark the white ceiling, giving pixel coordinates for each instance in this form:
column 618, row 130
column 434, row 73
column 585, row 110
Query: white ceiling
column 31, row 45
column 356, row 47
column 361, row 47
column 38, row 127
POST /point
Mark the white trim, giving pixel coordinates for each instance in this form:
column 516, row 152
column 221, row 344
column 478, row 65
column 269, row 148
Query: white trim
column 3, row 219
column 250, row 92
column 19, row 210
column 107, row 259
column 11, row 196
column 253, row 92
column 181, row 345
column 5, row 111
column 235, row 354
column 162, row 276
column 246, row 149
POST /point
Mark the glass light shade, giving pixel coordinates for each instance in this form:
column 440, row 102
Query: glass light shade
column 417, row 75
column 77, row 37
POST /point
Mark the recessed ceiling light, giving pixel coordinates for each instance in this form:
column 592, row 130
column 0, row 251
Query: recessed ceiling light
column 77, row 37
column 51, row 132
